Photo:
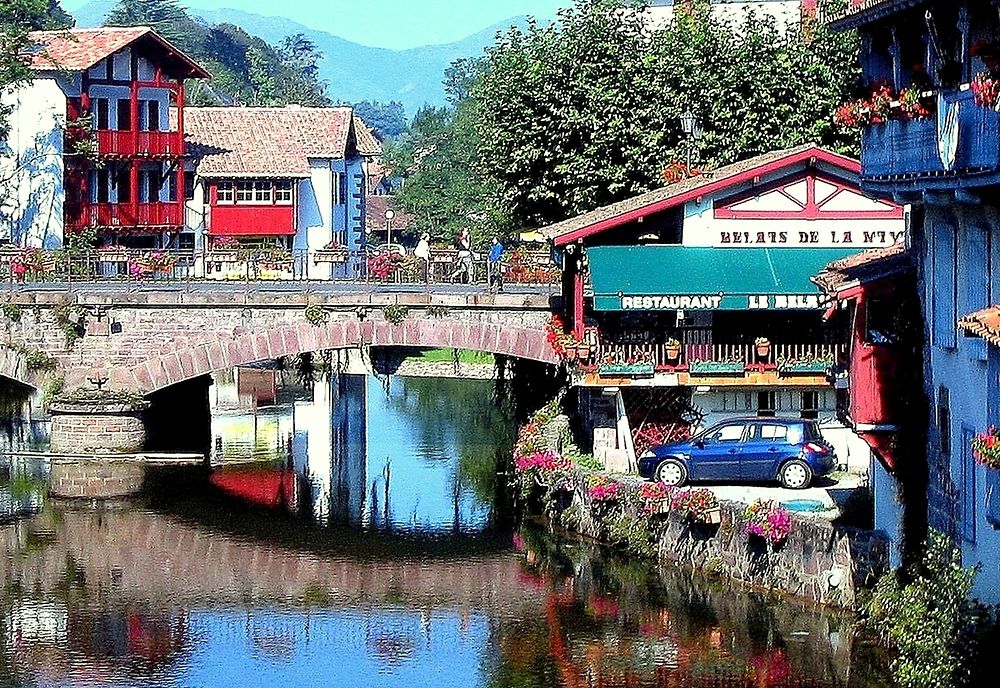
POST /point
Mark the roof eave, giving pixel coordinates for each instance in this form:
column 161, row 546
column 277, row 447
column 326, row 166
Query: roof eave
column 854, row 20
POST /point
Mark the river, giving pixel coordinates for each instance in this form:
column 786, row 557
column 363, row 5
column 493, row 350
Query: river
column 395, row 562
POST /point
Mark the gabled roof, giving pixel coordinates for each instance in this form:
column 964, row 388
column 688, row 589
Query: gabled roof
column 369, row 144
column 266, row 142
column 690, row 189
column 984, row 323
column 863, row 268
column 78, row 50
column 375, row 207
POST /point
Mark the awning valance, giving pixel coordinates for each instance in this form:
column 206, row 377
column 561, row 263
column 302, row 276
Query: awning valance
column 649, row 278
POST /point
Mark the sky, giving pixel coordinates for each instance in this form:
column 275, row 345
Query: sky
column 395, row 24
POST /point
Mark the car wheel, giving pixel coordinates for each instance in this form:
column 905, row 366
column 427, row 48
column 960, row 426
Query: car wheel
column 671, row 472
column 795, row 475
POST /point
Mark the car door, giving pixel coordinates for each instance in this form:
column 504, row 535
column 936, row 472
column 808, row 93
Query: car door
column 717, row 455
column 761, row 457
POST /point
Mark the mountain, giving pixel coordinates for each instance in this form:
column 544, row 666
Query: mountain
column 355, row 72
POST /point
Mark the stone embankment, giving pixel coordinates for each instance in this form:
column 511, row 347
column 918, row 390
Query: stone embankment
column 810, row 558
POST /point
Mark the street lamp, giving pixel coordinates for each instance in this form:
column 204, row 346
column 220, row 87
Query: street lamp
column 389, row 214
column 692, row 132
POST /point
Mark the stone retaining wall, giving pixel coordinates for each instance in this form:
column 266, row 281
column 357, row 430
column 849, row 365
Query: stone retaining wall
column 96, row 479
column 819, row 561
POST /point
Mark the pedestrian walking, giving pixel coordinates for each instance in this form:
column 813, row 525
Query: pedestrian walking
column 494, row 266
column 463, row 257
column 423, row 253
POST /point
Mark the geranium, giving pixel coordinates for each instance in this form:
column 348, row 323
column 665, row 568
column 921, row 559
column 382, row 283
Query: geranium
column 562, row 342
column 768, row 520
column 225, row 242
column 654, row 492
column 986, row 448
column 385, row 265
column 696, row 503
column 603, row 489
column 677, row 171
column 543, row 462
column 985, row 88
column 911, row 103
column 151, row 263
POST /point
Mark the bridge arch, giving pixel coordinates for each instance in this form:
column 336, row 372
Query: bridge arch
column 245, row 347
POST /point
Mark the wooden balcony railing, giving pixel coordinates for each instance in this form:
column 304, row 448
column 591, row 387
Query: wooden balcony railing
column 722, row 359
column 125, row 215
column 140, row 143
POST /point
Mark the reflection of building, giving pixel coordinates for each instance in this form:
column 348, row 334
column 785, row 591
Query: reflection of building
column 349, row 441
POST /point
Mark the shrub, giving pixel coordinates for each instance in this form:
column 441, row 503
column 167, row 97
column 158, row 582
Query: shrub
column 768, row 520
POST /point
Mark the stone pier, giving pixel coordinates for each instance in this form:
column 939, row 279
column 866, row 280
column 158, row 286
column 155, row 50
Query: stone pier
column 88, row 436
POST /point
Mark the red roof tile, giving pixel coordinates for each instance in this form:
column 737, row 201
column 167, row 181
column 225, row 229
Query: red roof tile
column 375, row 214
column 368, row 142
column 265, row 142
column 77, row 50
column 863, row 268
column 984, row 323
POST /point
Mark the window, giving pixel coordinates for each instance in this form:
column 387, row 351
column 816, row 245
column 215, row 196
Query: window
column 244, row 192
column 150, row 115
column 967, row 498
column 773, row 432
column 881, row 321
column 767, row 404
column 727, row 433
column 337, row 191
column 103, row 186
column 809, row 405
column 224, row 193
column 993, row 498
column 944, row 286
column 124, row 122
column 189, row 186
column 172, row 188
column 123, row 185
column 149, row 186
column 283, row 192
column 944, row 420
column 102, row 114
column 263, row 192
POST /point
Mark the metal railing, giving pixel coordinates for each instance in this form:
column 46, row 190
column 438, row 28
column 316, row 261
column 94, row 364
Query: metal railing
column 240, row 264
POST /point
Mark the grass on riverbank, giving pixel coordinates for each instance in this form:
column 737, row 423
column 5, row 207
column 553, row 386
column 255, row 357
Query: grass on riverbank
column 464, row 356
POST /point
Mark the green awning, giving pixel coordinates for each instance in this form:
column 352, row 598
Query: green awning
column 647, row 278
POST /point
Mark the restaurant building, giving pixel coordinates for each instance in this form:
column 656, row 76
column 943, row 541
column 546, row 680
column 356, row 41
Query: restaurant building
column 944, row 159
column 705, row 285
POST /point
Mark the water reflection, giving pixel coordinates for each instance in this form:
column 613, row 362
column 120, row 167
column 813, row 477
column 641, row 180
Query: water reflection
column 404, row 454
column 23, row 425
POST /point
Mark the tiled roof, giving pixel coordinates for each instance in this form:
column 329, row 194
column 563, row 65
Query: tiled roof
column 984, row 323
column 368, row 143
column 265, row 142
column 77, row 50
column 679, row 192
column 375, row 214
column 862, row 268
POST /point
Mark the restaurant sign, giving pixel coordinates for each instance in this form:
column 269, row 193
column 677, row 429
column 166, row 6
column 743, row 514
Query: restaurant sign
column 721, row 301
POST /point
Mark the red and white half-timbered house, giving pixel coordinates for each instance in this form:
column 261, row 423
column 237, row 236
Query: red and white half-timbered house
column 123, row 82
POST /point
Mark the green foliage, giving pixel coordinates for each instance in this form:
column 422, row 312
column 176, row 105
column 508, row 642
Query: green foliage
column 11, row 312
column 387, row 119
column 53, row 388
column 632, row 532
column 38, row 360
column 928, row 621
column 244, row 68
column 395, row 314
column 70, row 320
column 33, row 15
column 438, row 311
column 316, row 315
column 558, row 119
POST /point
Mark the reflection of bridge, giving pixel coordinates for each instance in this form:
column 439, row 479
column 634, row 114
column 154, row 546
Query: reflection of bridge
column 145, row 556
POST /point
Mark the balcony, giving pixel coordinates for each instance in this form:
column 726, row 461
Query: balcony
column 125, row 215
column 903, row 155
column 143, row 144
column 792, row 363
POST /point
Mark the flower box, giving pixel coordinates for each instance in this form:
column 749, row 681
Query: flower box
column 804, row 367
column 331, row 256
column 717, row 367
column 626, row 369
column 711, row 517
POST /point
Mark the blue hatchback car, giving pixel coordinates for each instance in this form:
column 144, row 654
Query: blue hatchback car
column 791, row 451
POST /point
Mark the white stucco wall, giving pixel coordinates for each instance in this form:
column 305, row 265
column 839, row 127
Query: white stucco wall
column 785, row 12
column 31, row 165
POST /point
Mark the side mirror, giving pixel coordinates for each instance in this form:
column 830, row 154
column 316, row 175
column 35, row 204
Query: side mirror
column 700, row 444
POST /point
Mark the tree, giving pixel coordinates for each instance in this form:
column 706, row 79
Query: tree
column 33, row 15
column 585, row 111
column 165, row 17
column 388, row 119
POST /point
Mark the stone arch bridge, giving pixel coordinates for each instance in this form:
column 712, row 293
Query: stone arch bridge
column 134, row 342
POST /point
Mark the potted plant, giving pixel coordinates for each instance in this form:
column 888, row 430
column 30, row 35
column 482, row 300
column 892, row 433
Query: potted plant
column 986, row 448
column 673, row 350
column 656, row 498
column 700, row 506
column 763, row 346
